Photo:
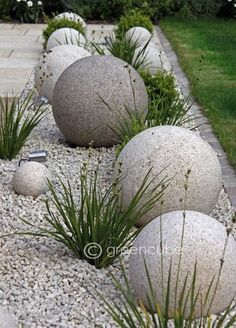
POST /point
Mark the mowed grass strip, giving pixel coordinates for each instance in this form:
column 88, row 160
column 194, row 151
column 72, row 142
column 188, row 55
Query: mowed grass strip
column 206, row 49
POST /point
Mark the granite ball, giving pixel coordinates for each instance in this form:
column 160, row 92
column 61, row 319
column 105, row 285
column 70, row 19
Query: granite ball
column 177, row 154
column 138, row 34
column 204, row 240
column 93, row 96
column 64, row 36
column 52, row 64
column 6, row 319
column 30, row 179
column 72, row 17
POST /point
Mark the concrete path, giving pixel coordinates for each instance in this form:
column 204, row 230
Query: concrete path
column 229, row 174
column 20, row 48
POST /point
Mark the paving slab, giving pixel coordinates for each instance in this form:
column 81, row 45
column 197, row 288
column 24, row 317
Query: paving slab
column 206, row 131
column 20, row 49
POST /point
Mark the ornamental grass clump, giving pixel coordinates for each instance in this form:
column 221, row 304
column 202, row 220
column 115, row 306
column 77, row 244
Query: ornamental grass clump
column 99, row 224
column 126, row 48
column 130, row 312
column 17, row 120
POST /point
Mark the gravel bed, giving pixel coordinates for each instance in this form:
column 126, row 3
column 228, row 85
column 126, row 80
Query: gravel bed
column 41, row 282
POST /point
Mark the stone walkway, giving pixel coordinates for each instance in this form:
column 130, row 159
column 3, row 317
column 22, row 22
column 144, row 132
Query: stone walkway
column 229, row 174
column 20, row 48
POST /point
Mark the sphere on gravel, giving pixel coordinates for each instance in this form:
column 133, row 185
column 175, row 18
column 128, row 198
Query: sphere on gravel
column 94, row 96
column 64, row 36
column 204, row 239
column 138, row 34
column 177, row 154
column 52, row 64
column 30, row 179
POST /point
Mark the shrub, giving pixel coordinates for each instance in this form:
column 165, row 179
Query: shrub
column 18, row 119
column 165, row 107
column 131, row 19
column 55, row 24
column 99, row 224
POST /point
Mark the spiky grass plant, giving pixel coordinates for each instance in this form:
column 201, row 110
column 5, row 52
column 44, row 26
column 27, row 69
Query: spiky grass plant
column 99, row 224
column 126, row 48
column 133, row 313
column 17, row 120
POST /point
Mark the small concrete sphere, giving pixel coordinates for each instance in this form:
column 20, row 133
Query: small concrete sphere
column 6, row 319
column 204, row 240
column 138, row 34
column 52, row 64
column 73, row 17
column 170, row 152
column 92, row 97
column 30, row 179
column 64, row 36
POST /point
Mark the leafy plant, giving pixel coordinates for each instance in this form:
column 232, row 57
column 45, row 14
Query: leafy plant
column 17, row 120
column 99, row 228
column 28, row 11
column 55, row 24
column 131, row 19
column 165, row 107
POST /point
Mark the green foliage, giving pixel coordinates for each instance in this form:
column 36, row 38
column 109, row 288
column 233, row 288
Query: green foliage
column 5, row 9
column 128, row 313
column 131, row 19
column 55, row 24
column 161, row 85
column 99, row 229
column 27, row 13
column 127, row 49
column 165, row 107
column 18, row 119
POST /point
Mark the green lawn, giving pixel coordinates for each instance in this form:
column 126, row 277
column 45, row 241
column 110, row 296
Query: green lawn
column 207, row 53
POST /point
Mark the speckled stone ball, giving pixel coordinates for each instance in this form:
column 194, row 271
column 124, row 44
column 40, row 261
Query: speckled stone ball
column 73, row 17
column 204, row 240
column 52, row 64
column 64, row 36
column 152, row 55
column 92, row 97
column 6, row 319
column 30, row 179
column 138, row 34
column 171, row 152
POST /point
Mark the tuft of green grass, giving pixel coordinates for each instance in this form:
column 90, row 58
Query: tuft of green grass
column 207, row 50
column 17, row 120
column 98, row 230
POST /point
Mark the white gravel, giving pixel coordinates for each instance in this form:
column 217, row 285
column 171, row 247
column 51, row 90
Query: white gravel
column 41, row 282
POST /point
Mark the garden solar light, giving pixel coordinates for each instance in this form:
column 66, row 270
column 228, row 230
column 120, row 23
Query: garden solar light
column 36, row 156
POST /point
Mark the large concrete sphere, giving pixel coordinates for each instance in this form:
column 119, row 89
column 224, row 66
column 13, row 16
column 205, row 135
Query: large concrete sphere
column 91, row 98
column 64, row 36
column 171, row 151
column 52, row 64
column 138, row 34
column 30, row 179
column 73, row 17
column 203, row 244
